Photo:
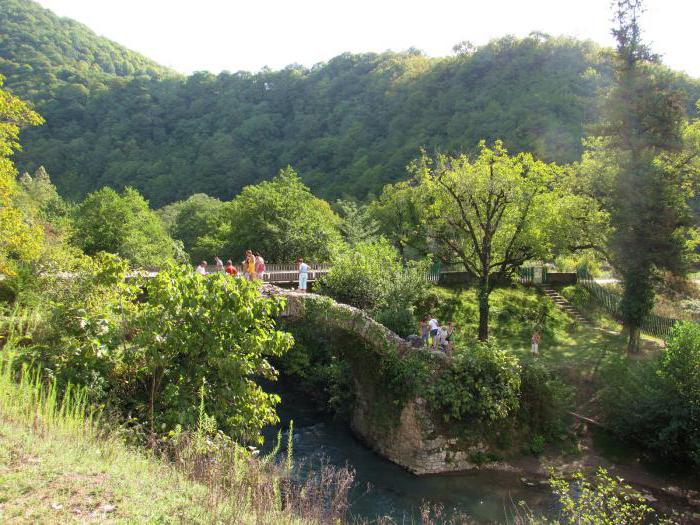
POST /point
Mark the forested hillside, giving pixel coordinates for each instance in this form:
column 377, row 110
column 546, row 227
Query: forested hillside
column 348, row 126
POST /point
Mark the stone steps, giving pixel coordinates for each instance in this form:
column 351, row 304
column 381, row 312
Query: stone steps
column 564, row 305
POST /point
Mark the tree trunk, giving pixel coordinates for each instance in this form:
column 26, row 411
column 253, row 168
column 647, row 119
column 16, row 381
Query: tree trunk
column 634, row 339
column 483, row 309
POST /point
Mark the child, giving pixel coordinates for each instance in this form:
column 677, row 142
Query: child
column 424, row 330
column 434, row 331
column 535, row 348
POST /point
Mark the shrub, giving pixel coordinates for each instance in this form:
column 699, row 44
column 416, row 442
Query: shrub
column 481, row 382
column 657, row 402
column 211, row 330
column 544, row 401
column 603, row 500
column 371, row 276
column 358, row 276
column 578, row 296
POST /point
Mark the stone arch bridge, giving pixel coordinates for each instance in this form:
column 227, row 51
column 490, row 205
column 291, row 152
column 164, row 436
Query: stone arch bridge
column 414, row 439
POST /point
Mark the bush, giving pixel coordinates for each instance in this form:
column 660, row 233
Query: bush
column 371, row 276
column 210, row 330
column 544, row 401
column 657, row 402
column 602, row 500
column 481, row 382
column 578, row 296
column 359, row 275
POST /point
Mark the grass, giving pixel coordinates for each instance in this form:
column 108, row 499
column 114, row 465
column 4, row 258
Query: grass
column 57, row 465
column 577, row 352
column 60, row 478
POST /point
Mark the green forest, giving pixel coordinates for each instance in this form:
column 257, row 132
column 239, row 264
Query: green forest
column 502, row 251
column 348, row 126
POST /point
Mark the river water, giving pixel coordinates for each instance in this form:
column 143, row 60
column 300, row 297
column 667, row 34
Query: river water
column 385, row 489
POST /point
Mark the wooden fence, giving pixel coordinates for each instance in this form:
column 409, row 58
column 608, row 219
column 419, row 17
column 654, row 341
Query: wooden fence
column 652, row 324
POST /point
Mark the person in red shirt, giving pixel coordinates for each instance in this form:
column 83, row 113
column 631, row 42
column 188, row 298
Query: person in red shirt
column 230, row 268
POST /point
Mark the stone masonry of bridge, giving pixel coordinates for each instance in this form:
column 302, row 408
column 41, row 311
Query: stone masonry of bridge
column 415, row 442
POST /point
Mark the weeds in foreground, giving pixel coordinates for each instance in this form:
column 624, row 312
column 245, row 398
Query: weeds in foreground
column 234, row 485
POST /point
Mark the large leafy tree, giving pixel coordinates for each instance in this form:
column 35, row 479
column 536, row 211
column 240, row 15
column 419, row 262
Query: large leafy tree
column 283, row 220
column 208, row 332
column 494, row 212
column 19, row 238
column 642, row 132
column 200, row 223
column 123, row 225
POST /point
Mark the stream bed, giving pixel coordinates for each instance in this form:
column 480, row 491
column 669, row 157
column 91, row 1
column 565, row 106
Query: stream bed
column 383, row 489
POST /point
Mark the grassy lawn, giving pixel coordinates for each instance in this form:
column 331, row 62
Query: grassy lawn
column 575, row 350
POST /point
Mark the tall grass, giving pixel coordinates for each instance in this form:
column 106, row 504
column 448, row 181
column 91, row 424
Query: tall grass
column 269, row 489
column 26, row 397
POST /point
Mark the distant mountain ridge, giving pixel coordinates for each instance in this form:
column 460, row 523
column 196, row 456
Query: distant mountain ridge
column 349, row 126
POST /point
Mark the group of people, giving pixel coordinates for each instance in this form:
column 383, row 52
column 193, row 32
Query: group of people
column 253, row 266
column 436, row 336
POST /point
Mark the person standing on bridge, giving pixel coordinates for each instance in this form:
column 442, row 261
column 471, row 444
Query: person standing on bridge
column 230, row 269
column 434, row 332
column 202, row 268
column 219, row 264
column 249, row 265
column 303, row 274
column 259, row 265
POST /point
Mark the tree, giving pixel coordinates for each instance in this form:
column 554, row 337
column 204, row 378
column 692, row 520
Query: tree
column 493, row 212
column 357, row 223
column 39, row 195
column 643, row 132
column 283, row 220
column 123, row 225
column 212, row 332
column 200, row 223
column 398, row 212
column 20, row 239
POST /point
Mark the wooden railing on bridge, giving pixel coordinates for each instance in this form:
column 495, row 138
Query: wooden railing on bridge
column 283, row 273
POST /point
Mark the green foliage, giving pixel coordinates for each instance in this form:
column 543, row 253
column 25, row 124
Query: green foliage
column 150, row 357
column 371, row 276
column 481, row 382
column 200, row 222
column 404, row 376
column 213, row 331
column 85, row 325
column 357, row 224
column 657, row 402
column 602, row 500
column 20, row 239
column 642, row 150
column 544, row 402
column 495, row 211
column 123, row 225
column 282, row 220
column 39, row 197
column 360, row 275
column 349, row 125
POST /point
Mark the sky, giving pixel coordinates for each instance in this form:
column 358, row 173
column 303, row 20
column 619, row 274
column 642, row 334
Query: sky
column 233, row 35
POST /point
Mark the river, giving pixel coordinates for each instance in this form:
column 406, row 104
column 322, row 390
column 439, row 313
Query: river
column 384, row 489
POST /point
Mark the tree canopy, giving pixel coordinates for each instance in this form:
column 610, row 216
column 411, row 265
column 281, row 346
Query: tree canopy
column 349, row 125
column 494, row 212
column 122, row 224
column 283, row 220
column 19, row 238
